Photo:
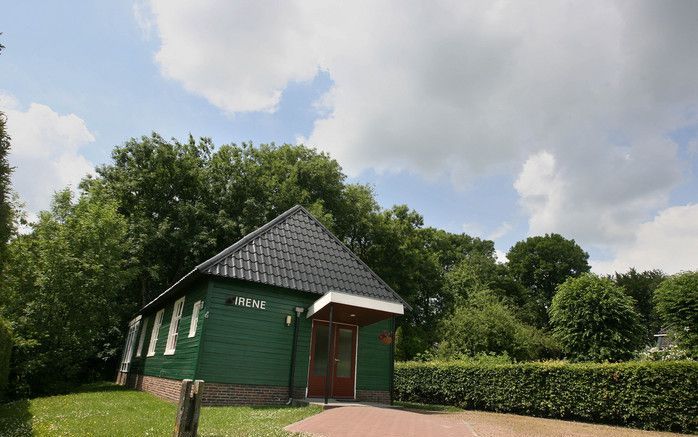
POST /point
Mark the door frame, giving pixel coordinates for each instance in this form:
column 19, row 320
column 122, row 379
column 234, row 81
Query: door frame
column 310, row 352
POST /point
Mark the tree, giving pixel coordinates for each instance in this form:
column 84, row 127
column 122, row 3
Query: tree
column 158, row 186
column 542, row 263
column 676, row 301
column 64, row 292
column 641, row 287
column 595, row 320
column 6, row 209
column 484, row 324
column 478, row 272
column 184, row 202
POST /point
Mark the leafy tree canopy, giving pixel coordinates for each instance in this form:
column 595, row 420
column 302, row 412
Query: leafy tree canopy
column 484, row 324
column 677, row 305
column 65, row 293
column 641, row 286
column 542, row 263
column 595, row 320
column 6, row 209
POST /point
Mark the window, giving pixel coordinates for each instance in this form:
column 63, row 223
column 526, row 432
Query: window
column 194, row 318
column 174, row 327
column 141, row 338
column 130, row 340
column 154, row 333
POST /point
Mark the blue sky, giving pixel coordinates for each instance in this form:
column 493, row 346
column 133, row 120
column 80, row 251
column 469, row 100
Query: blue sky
column 491, row 119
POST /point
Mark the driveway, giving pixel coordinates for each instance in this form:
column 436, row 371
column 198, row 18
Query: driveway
column 381, row 422
column 373, row 421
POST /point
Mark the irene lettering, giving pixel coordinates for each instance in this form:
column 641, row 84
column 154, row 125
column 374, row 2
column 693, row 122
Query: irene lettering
column 248, row 302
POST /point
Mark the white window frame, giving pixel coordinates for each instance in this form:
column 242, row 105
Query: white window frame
column 154, row 333
column 141, row 338
column 194, row 318
column 128, row 348
column 172, row 336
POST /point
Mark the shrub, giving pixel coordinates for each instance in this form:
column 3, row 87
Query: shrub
column 595, row 320
column 676, row 300
column 5, row 351
column 484, row 324
column 650, row 395
column 669, row 353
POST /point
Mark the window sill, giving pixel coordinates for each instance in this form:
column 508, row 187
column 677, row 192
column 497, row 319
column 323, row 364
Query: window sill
column 169, row 353
column 150, row 355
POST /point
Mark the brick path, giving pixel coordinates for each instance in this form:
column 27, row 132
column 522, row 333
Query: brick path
column 381, row 422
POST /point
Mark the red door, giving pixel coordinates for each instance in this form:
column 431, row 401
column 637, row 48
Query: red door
column 343, row 363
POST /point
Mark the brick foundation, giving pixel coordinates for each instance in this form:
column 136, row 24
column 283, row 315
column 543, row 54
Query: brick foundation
column 231, row 394
column 167, row 389
column 243, row 394
column 378, row 396
column 214, row 393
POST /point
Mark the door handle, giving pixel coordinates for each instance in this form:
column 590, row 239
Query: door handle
column 336, row 360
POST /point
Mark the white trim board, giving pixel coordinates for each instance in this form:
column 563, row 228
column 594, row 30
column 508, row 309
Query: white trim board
column 355, row 301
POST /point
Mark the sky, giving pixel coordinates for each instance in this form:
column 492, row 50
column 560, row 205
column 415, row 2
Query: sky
column 501, row 119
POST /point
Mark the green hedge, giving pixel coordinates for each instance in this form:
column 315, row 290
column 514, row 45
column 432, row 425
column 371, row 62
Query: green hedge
column 5, row 350
column 650, row 395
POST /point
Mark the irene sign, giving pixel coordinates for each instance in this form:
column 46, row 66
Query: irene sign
column 248, row 302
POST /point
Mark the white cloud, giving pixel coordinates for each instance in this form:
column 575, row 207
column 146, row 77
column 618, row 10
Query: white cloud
column 582, row 95
column 501, row 256
column 669, row 241
column 473, row 229
column 45, row 150
column 500, row 231
column 144, row 18
column 238, row 55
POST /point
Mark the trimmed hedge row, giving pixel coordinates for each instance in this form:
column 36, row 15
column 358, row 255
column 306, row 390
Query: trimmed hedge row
column 649, row 395
column 5, row 351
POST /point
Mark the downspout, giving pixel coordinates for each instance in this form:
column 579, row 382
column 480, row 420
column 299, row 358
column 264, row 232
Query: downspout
column 294, row 348
column 330, row 356
column 392, row 358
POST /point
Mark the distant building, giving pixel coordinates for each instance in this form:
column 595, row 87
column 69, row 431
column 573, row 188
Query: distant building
column 664, row 339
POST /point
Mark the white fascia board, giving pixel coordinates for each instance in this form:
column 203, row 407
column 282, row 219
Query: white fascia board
column 355, row 301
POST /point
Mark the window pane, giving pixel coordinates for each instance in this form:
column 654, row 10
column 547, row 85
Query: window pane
column 344, row 349
column 320, row 353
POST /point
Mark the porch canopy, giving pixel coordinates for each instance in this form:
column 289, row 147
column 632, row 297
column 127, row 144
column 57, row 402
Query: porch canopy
column 353, row 309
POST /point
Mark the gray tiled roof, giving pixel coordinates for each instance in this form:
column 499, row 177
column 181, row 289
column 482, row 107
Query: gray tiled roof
column 296, row 251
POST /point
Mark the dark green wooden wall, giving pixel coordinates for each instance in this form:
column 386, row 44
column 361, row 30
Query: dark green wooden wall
column 182, row 364
column 373, row 371
column 239, row 345
column 249, row 345
column 253, row 346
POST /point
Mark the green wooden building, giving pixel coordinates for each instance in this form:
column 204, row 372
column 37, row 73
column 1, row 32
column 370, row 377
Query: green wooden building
column 267, row 319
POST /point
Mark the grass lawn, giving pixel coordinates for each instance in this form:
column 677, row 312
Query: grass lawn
column 106, row 409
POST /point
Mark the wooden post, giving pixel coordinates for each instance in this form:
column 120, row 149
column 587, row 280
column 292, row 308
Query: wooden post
column 188, row 408
column 196, row 407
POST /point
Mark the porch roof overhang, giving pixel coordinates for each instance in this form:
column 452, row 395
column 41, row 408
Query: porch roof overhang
column 353, row 309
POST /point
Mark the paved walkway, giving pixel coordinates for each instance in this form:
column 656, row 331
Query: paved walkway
column 381, row 422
